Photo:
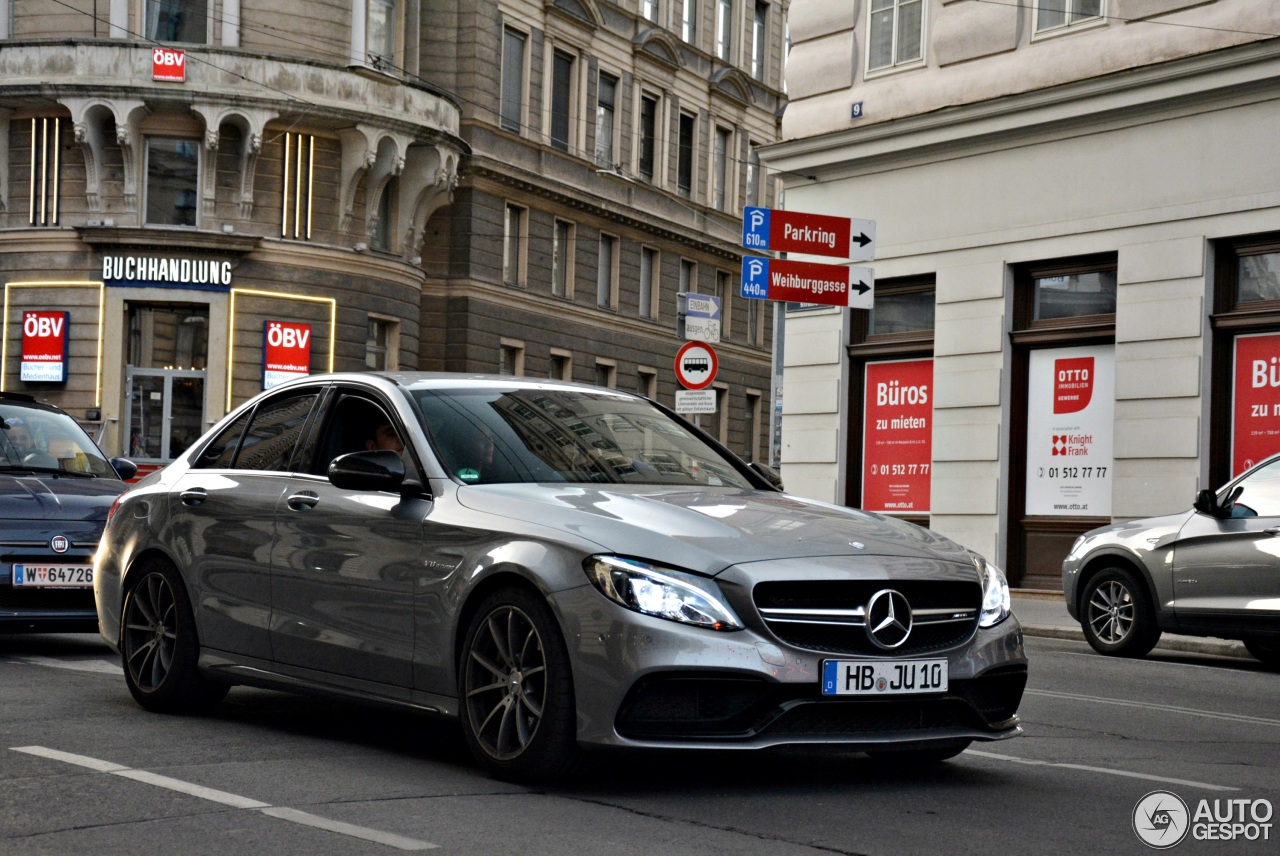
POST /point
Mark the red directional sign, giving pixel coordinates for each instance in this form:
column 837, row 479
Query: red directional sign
column 807, row 282
column 815, row 234
column 696, row 365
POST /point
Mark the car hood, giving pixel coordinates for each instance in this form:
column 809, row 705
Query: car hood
column 32, row 498
column 708, row 530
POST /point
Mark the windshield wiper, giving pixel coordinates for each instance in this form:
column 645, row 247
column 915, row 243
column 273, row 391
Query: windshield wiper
column 52, row 471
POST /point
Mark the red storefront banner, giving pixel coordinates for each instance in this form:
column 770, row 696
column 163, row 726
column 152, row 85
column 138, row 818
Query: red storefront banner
column 286, row 353
column 1255, row 405
column 169, row 64
column 897, row 436
column 44, row 346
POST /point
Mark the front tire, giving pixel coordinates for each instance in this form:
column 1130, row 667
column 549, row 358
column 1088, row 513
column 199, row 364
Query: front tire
column 1116, row 617
column 516, row 689
column 1265, row 648
column 158, row 644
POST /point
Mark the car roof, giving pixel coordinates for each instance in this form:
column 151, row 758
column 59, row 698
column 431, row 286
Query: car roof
column 414, row 381
column 21, row 399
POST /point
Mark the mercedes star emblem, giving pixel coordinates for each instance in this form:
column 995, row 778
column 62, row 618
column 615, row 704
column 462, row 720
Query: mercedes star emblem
column 888, row 619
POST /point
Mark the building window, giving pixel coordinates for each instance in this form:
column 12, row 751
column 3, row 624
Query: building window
column 684, row 166
column 380, row 34
column 649, row 261
column 177, row 21
column 606, row 374
column 650, row 9
column 607, row 273
column 720, row 168
column 755, row 413
column 561, row 366
column 1070, row 295
column 647, row 382
column 724, row 29
column 755, row 322
column 606, row 103
column 753, row 176
column 1055, row 14
column 380, row 238
column 724, row 293
column 759, row 32
column 1257, row 277
column 901, row 312
column 382, row 344
column 689, row 21
column 514, row 241
column 511, row 358
column 46, row 172
column 897, row 33
column 561, row 99
column 688, row 277
column 296, row 190
column 512, row 80
column 173, row 171
column 562, row 243
column 648, row 136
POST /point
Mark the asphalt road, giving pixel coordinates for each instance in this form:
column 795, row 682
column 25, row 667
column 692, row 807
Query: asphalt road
column 83, row 770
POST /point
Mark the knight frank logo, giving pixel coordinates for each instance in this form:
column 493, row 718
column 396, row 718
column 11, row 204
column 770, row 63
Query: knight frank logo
column 1072, row 384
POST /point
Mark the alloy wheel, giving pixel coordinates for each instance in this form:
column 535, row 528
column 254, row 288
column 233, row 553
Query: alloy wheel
column 506, row 683
column 151, row 632
column 1112, row 612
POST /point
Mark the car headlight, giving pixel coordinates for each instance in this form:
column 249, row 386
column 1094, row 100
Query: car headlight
column 662, row 592
column 995, row 593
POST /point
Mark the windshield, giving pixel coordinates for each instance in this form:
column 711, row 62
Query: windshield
column 43, row 440
column 490, row 436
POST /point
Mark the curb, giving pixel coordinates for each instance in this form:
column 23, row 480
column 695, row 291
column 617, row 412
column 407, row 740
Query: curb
column 1168, row 641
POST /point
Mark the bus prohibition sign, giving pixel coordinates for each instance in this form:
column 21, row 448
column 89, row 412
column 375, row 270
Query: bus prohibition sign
column 696, row 365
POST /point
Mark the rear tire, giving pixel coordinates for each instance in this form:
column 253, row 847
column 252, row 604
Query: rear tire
column 1116, row 616
column 515, row 690
column 158, row 644
column 1266, row 649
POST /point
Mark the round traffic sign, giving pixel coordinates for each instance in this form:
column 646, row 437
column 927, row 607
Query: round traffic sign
column 696, row 365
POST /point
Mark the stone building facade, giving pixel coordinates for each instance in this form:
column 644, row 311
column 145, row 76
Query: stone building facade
column 195, row 182
column 1078, row 212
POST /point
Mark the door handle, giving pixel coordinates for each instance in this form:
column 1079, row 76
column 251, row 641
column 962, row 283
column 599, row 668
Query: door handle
column 193, row 496
column 304, row 501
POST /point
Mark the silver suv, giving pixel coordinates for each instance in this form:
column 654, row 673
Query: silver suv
column 1213, row 570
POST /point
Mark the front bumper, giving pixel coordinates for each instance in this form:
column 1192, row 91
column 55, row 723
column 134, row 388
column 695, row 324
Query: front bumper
column 647, row 682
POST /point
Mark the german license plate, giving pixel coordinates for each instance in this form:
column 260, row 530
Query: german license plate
column 53, row 576
column 883, row 677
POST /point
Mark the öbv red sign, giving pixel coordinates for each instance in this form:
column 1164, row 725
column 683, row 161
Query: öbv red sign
column 44, row 346
column 169, row 64
column 286, row 353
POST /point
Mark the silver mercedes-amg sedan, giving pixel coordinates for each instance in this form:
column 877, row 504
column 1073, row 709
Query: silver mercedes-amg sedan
column 558, row 566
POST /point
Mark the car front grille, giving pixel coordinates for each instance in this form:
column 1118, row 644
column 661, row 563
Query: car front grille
column 699, row 708
column 830, row 616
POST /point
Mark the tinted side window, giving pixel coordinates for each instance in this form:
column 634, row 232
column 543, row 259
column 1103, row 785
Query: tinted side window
column 1261, row 492
column 274, row 432
column 352, row 427
column 222, row 451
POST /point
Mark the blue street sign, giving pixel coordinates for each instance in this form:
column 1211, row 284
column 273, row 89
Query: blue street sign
column 755, row 278
column 755, row 228
column 702, row 306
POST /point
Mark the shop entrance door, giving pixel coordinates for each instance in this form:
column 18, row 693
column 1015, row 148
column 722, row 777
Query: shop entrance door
column 165, row 413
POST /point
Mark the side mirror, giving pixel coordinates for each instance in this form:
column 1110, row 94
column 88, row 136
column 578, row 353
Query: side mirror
column 377, row 470
column 768, row 473
column 124, row 468
column 1207, row 502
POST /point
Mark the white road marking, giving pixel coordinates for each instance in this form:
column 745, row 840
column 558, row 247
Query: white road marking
column 1189, row 711
column 1110, row 772
column 376, row 836
column 388, row 838
column 101, row 667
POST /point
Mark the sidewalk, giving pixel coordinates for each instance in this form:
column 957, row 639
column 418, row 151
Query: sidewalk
column 1044, row 613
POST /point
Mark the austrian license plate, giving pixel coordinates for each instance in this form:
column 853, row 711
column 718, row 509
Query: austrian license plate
column 53, row 576
column 883, row 677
